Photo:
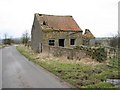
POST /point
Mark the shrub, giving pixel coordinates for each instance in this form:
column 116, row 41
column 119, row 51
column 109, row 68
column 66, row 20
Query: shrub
column 97, row 53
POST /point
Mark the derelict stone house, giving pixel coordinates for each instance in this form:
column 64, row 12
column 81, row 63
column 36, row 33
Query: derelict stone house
column 88, row 38
column 53, row 30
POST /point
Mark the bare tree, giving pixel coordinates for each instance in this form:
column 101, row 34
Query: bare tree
column 7, row 40
column 25, row 38
column 5, row 36
column 115, row 41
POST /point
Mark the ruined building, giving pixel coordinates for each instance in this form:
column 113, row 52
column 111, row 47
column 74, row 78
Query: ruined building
column 54, row 30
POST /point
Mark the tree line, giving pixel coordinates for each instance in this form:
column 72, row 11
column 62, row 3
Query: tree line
column 25, row 39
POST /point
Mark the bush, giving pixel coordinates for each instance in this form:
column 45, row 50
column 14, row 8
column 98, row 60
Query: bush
column 97, row 53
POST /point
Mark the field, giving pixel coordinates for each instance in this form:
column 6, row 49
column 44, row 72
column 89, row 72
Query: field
column 85, row 73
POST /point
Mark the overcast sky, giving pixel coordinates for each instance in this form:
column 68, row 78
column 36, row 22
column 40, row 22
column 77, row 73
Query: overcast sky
column 100, row 16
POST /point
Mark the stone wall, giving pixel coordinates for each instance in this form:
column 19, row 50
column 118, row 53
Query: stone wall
column 68, row 53
column 36, row 36
column 59, row 34
column 111, row 52
column 78, row 52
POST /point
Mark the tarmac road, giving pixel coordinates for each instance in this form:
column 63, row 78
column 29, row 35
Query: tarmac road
column 18, row 72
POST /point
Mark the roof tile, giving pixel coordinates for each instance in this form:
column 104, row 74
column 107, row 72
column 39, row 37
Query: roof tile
column 59, row 22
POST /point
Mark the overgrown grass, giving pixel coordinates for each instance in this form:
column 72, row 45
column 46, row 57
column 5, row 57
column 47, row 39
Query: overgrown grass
column 101, row 84
column 79, row 75
column 115, row 63
column 2, row 46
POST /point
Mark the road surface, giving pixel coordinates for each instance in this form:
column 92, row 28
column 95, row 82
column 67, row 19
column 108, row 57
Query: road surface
column 18, row 72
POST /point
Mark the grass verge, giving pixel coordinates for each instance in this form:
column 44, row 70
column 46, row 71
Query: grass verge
column 77, row 74
column 2, row 46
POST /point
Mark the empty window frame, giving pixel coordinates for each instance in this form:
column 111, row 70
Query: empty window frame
column 72, row 41
column 61, row 42
column 51, row 42
column 44, row 23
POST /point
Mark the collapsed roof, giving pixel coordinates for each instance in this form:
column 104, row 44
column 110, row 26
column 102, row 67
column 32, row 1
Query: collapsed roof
column 65, row 23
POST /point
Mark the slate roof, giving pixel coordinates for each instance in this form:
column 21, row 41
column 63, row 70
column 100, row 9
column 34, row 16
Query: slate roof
column 65, row 23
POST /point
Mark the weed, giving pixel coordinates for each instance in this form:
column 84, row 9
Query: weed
column 78, row 74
